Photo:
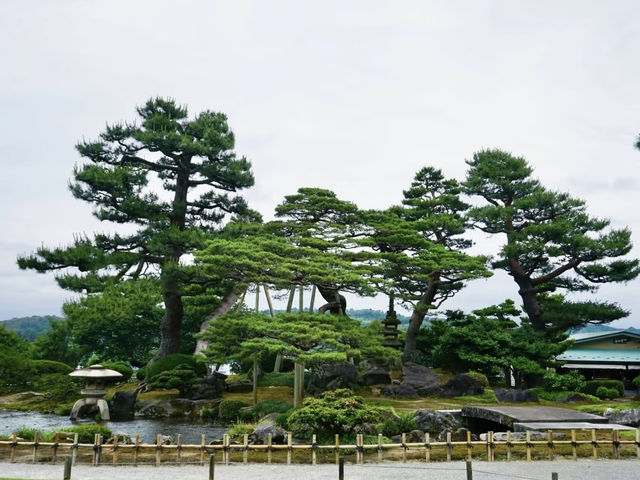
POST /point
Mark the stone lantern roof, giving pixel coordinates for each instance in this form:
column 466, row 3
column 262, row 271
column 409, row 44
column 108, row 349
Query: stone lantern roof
column 95, row 372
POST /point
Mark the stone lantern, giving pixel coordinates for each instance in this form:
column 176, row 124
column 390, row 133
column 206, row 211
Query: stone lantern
column 94, row 390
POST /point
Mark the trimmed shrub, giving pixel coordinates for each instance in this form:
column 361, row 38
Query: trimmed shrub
column 120, row 367
column 276, row 380
column 141, row 373
column 481, row 378
column 15, row 372
column 42, row 367
column 592, row 387
column 183, row 377
column 389, row 428
column 570, row 382
column 338, row 411
column 230, row 409
column 170, row 362
column 636, row 382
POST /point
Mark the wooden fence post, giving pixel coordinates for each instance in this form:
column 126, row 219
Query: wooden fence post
column 554, row 475
column 469, row 470
column 245, row 448
column 509, row 445
column 14, row 443
column 114, row 458
column 158, row 449
column 615, row 445
column 337, row 448
column 448, row 446
column 528, row 440
column 67, row 468
column 427, row 448
column 54, row 458
column 36, row 441
column 594, row 443
column 341, row 468
column 269, row 445
column 469, row 445
column 212, row 465
column 74, row 449
column 360, row 449
column 289, row 448
column 638, row 442
column 226, row 440
column 179, row 449
column 489, row 446
column 404, row 447
column 94, row 460
column 550, row 444
column 380, row 455
column 136, row 448
column 314, row 447
column 574, row 445
column 202, row 440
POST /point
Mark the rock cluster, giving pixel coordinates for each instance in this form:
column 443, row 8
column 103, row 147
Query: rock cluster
column 420, row 381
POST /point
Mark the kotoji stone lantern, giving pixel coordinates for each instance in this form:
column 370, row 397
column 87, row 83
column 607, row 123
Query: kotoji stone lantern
column 94, row 390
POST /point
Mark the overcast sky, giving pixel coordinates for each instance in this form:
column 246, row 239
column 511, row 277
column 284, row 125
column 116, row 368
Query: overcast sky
column 352, row 96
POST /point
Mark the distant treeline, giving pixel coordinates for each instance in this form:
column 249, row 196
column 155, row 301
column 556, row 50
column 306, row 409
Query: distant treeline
column 29, row 327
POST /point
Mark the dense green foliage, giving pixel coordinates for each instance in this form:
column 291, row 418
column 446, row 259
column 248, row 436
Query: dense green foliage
column 572, row 381
column 592, row 387
column 172, row 361
column 551, row 242
column 230, row 409
column 183, row 377
column 43, row 367
column 194, row 162
column 335, row 412
column 121, row 367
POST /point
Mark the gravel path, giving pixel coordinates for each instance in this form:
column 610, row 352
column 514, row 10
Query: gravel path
column 540, row 470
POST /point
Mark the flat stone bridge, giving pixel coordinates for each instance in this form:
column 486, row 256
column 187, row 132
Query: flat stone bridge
column 538, row 418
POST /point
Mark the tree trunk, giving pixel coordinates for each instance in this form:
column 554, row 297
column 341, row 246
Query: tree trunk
column 313, row 298
column 255, row 380
column 530, row 303
column 417, row 317
column 290, row 301
column 336, row 303
column 171, row 321
column 223, row 307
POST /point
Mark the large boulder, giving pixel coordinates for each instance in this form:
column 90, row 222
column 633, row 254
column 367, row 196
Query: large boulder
column 399, row 391
column 240, row 386
column 419, row 377
column 122, row 405
column 515, row 396
column 260, row 434
column 154, row 409
column 212, row 386
column 461, row 384
column 625, row 417
column 375, row 376
column 435, row 422
column 331, row 376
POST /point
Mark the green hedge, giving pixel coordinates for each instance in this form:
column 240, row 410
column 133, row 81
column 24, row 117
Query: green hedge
column 592, row 386
column 42, row 367
column 230, row 409
column 120, row 367
column 172, row 361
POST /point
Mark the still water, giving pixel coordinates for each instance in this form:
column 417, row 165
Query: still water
column 147, row 428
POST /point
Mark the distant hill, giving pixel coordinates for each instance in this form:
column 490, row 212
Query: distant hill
column 603, row 328
column 29, row 327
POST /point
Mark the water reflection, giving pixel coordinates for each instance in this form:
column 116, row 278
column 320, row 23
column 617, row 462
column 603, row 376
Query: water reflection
column 148, row 429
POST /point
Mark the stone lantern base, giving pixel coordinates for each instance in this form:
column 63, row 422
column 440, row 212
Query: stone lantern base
column 100, row 403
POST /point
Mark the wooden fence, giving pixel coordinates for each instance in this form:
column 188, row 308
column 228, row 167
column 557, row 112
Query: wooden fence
column 582, row 443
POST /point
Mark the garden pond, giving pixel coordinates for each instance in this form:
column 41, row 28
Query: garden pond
column 148, row 429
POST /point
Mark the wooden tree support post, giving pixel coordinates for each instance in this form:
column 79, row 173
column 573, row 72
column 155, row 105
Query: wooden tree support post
column 255, row 380
column 290, row 301
column 313, row 299
column 67, row 468
column 269, row 302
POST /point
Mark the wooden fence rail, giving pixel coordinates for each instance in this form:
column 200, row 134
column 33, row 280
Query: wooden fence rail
column 591, row 444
